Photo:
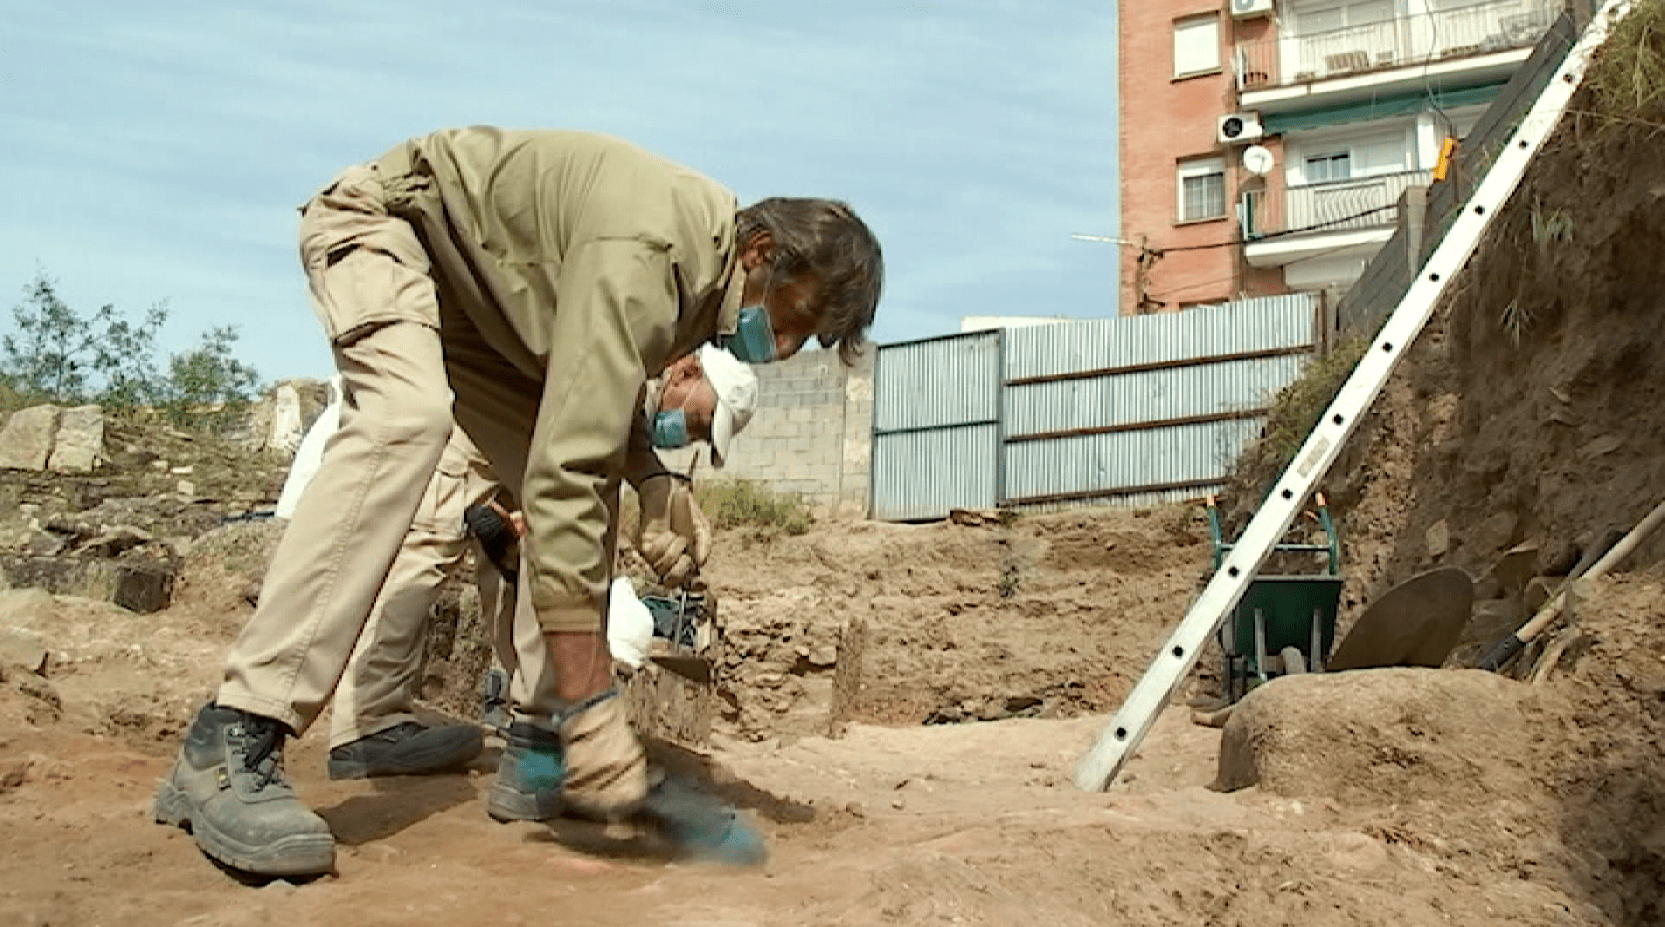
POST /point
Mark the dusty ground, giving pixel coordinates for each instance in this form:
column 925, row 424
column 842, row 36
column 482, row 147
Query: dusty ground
column 902, row 705
column 1402, row 797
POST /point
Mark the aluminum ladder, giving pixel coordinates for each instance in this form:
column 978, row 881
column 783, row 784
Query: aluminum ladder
column 1127, row 729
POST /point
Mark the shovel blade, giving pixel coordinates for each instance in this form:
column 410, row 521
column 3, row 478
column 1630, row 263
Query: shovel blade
column 693, row 669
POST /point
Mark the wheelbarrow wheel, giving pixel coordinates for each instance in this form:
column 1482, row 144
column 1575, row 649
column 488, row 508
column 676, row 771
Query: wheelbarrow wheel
column 1294, row 661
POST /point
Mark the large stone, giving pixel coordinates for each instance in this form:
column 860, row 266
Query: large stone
column 22, row 648
column 138, row 584
column 1494, row 533
column 285, row 431
column 78, row 446
column 1438, row 539
column 26, row 441
column 279, row 418
column 1383, row 737
column 1513, row 569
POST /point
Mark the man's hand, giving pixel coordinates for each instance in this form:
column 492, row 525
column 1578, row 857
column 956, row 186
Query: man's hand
column 674, row 537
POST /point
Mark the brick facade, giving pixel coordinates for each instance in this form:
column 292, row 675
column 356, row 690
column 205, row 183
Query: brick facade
column 1165, row 120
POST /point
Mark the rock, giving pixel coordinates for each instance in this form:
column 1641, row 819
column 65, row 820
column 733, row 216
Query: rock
column 825, row 655
column 1368, row 737
column 26, row 441
column 1558, row 558
column 1492, row 620
column 1600, row 447
column 115, row 541
column 1438, row 539
column 21, row 648
column 136, row 583
column 1539, row 590
column 279, row 418
column 284, row 434
column 78, row 445
column 1514, row 568
column 1496, row 532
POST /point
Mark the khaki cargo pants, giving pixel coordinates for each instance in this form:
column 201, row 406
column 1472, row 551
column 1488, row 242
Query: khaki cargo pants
column 371, row 289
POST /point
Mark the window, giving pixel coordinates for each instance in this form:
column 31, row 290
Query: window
column 1202, row 189
column 1330, row 16
column 1323, row 168
column 1350, row 157
column 1196, row 45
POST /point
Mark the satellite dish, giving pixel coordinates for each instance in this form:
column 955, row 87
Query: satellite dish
column 1257, row 160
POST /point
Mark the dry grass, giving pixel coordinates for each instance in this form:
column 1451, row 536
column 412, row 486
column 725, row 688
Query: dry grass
column 743, row 503
column 1628, row 75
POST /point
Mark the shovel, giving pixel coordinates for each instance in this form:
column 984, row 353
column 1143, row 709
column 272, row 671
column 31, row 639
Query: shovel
column 1506, row 649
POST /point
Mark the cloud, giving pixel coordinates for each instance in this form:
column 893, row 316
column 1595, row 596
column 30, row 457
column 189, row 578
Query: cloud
column 162, row 149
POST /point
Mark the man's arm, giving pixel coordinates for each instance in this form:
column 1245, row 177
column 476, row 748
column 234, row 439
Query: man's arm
column 616, row 305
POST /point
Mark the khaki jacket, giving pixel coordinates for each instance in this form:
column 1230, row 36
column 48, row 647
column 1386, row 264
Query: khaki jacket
column 590, row 265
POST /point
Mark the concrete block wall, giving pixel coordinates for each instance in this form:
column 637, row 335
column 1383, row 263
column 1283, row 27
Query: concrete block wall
column 812, row 435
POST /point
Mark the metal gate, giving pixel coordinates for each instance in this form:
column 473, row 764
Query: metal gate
column 936, row 426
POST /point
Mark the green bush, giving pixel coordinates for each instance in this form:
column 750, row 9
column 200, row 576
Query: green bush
column 742, row 503
column 1299, row 405
column 56, row 354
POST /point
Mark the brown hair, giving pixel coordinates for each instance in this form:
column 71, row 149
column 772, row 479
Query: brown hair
column 825, row 238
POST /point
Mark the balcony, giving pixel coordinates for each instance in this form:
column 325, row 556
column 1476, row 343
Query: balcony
column 1422, row 39
column 1359, row 204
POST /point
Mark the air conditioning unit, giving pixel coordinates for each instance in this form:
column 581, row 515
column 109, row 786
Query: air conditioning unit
column 1244, row 9
column 1239, row 128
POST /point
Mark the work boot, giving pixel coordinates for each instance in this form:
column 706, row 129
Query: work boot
column 408, row 749
column 528, row 786
column 227, row 789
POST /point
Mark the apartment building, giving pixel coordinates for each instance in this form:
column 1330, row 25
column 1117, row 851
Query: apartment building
column 1266, row 143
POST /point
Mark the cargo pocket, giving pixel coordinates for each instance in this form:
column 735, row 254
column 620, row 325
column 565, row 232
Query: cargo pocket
column 359, row 289
column 441, row 511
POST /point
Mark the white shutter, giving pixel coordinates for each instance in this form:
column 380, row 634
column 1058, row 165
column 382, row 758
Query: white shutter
column 1196, row 45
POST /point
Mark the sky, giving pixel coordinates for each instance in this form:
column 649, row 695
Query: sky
column 156, row 152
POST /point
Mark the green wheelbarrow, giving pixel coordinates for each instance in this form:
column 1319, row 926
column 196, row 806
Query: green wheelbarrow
column 1285, row 622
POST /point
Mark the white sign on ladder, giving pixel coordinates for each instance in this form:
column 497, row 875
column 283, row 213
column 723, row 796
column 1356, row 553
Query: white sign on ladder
column 1115, row 746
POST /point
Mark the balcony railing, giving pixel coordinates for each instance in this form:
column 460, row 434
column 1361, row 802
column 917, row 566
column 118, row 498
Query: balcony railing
column 1340, row 206
column 1404, row 40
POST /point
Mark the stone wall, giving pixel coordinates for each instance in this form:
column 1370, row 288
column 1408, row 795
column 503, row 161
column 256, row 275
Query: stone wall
column 812, row 435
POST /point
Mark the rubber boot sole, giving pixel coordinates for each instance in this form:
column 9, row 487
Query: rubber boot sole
column 505, row 804
column 298, row 855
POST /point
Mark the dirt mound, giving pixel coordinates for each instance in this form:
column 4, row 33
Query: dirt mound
column 1530, row 410
column 1378, row 737
column 1040, row 616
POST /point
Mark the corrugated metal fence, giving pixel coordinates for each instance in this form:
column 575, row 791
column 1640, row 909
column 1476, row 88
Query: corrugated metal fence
column 1128, row 410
